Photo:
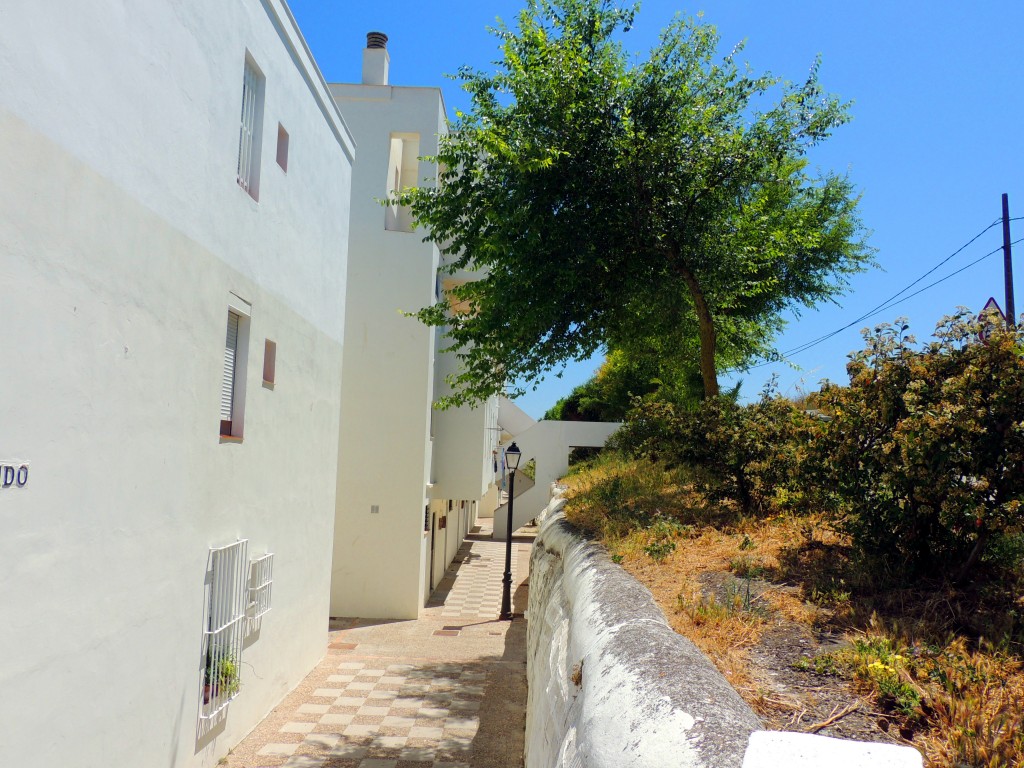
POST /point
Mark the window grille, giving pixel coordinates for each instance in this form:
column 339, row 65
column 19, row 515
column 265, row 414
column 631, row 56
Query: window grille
column 249, row 131
column 261, row 579
column 222, row 638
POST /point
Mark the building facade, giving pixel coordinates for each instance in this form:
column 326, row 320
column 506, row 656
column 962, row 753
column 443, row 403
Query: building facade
column 410, row 479
column 172, row 310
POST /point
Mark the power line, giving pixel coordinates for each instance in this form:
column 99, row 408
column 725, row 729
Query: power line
column 896, row 295
column 890, row 303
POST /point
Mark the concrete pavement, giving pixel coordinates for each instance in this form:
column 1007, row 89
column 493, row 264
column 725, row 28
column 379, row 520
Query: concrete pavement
column 447, row 690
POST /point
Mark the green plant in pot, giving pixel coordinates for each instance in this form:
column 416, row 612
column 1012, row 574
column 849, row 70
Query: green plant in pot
column 221, row 675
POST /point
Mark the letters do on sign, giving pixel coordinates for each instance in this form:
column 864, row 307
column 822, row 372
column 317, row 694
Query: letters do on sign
column 13, row 475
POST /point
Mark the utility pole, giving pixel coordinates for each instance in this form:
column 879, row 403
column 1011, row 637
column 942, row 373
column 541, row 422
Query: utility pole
column 1011, row 313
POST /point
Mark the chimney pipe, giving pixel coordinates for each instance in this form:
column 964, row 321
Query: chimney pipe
column 376, row 59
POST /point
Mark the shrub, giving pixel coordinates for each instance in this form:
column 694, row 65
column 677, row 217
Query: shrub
column 923, row 460
column 750, row 454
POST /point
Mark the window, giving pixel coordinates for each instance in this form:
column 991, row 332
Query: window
column 403, row 172
column 269, row 361
column 232, row 388
column 282, row 147
column 227, row 387
column 251, row 129
column 261, row 579
column 227, row 584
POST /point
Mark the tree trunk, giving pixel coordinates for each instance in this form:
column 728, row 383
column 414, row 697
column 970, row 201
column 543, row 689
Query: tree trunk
column 705, row 329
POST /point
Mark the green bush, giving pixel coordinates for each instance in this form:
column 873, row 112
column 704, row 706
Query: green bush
column 751, row 454
column 923, row 460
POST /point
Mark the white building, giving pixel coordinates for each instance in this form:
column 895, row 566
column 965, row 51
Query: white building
column 410, row 479
column 173, row 174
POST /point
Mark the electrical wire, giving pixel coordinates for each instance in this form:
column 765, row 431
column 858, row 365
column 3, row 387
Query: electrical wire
column 891, row 301
column 896, row 295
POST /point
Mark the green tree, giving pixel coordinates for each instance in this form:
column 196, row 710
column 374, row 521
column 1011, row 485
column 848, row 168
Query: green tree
column 606, row 203
column 609, row 394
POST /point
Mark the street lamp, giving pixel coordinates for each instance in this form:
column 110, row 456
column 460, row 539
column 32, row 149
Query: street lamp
column 512, row 456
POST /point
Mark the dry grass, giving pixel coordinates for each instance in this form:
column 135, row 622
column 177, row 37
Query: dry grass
column 915, row 653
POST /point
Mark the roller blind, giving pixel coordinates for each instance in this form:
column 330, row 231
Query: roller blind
column 227, row 387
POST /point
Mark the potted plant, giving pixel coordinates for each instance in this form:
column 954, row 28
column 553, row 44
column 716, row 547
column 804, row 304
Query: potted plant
column 221, row 676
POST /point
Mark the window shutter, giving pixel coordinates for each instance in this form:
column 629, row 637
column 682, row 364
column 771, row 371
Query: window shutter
column 227, row 388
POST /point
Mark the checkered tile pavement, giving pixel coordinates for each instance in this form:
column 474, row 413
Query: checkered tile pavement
column 370, row 705
column 385, row 716
column 472, row 584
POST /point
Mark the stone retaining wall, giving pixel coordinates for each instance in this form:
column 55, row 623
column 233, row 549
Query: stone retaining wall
column 611, row 685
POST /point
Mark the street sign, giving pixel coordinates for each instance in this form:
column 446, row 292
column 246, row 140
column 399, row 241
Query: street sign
column 991, row 315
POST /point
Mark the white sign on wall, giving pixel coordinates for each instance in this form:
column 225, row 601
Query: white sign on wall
column 13, row 474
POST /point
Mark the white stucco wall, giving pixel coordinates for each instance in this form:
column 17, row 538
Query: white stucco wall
column 548, row 443
column 122, row 234
column 384, row 462
column 464, row 439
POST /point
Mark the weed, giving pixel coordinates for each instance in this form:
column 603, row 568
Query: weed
column 659, row 549
column 737, row 602
column 662, row 535
column 747, row 567
column 576, row 676
column 824, row 665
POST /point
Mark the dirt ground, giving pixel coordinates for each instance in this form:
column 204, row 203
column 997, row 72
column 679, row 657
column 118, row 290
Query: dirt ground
column 764, row 664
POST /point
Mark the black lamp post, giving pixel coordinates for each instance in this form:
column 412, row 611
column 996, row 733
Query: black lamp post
column 512, row 456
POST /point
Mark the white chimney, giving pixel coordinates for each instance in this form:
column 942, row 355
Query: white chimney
column 376, row 59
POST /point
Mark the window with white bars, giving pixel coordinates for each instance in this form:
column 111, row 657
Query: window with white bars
column 251, row 129
column 261, row 580
column 225, row 626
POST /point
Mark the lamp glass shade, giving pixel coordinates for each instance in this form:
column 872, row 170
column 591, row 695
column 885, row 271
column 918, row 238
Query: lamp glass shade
column 512, row 456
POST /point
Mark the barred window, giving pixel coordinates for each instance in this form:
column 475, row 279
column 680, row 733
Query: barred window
column 250, row 131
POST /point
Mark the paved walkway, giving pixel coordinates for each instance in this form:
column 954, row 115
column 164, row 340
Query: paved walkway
column 447, row 690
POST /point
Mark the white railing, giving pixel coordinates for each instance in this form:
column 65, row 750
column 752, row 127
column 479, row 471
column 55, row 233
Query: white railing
column 225, row 623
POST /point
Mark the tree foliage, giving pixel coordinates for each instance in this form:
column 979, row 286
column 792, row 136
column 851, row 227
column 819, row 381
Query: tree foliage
column 609, row 394
column 609, row 204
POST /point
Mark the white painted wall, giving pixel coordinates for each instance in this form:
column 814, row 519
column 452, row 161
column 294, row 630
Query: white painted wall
column 549, row 443
column 610, row 684
column 388, row 388
column 122, row 232
column 464, row 441
column 513, row 419
column 397, row 454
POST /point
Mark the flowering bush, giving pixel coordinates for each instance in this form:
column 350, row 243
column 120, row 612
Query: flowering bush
column 923, row 460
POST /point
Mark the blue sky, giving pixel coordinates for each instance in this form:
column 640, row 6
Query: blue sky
column 935, row 137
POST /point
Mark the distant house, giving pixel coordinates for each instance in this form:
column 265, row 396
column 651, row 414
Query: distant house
column 171, row 327
column 411, row 480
